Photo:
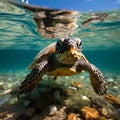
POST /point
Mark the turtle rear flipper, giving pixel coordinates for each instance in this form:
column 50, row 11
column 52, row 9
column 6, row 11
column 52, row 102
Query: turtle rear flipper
column 32, row 79
column 97, row 79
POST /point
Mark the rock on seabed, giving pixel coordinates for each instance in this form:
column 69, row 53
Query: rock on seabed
column 90, row 113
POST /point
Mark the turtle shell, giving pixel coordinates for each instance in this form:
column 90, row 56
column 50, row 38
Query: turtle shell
column 43, row 54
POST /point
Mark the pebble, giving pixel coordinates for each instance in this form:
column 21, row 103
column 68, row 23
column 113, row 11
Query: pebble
column 52, row 110
column 12, row 100
column 82, row 77
column 76, row 84
column 9, row 85
column 90, row 113
column 67, row 77
column 113, row 100
column 104, row 112
column 73, row 116
column 114, row 89
column 110, row 80
column 1, row 83
column 73, row 88
column 85, row 98
column 118, row 96
column 7, row 91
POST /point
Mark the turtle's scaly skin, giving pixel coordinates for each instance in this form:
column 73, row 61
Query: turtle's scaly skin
column 63, row 58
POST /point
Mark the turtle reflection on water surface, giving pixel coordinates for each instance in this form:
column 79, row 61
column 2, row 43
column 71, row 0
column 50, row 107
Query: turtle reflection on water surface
column 63, row 58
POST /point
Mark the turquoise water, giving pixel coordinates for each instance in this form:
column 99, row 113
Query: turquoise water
column 20, row 42
column 16, row 60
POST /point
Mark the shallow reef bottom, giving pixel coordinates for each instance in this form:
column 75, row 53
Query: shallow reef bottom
column 67, row 98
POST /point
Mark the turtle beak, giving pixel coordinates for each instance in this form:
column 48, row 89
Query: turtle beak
column 71, row 48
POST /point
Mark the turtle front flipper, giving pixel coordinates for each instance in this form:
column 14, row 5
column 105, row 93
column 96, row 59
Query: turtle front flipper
column 97, row 79
column 32, row 79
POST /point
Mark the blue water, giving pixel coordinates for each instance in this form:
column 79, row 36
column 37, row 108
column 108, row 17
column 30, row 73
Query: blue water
column 20, row 42
column 13, row 60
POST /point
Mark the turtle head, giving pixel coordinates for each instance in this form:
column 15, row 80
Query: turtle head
column 68, row 50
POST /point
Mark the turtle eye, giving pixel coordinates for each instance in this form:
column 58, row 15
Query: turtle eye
column 79, row 44
column 59, row 44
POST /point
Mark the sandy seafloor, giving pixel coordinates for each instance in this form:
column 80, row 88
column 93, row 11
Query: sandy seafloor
column 66, row 98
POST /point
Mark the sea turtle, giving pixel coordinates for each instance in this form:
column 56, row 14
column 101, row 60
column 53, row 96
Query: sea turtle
column 63, row 58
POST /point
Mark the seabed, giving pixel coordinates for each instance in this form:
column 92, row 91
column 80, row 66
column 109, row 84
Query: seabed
column 67, row 98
